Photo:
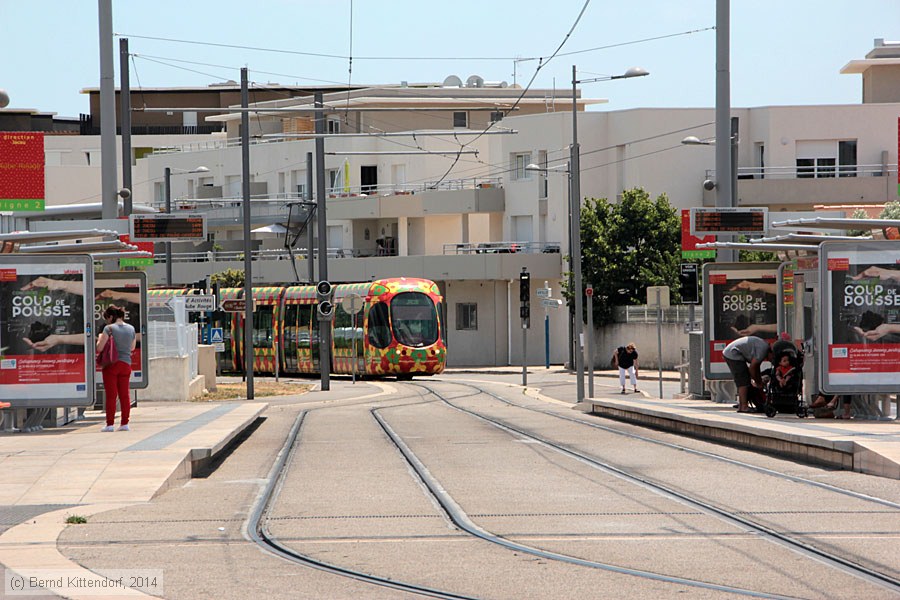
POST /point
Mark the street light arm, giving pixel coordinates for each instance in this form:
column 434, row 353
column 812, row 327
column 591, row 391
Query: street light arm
column 632, row 72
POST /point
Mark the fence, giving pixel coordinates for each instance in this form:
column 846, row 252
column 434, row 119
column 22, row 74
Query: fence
column 171, row 340
column 644, row 314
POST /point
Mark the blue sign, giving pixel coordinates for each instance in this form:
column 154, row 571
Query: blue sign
column 216, row 336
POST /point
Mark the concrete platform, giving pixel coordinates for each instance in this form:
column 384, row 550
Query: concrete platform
column 79, row 464
column 50, row 475
column 862, row 445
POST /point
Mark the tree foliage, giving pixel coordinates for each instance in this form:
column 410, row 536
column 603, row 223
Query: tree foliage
column 859, row 213
column 229, row 278
column 891, row 211
column 756, row 255
column 627, row 246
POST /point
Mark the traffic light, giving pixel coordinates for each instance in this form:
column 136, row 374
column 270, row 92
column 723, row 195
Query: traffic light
column 525, row 312
column 689, row 288
column 524, row 286
column 325, row 308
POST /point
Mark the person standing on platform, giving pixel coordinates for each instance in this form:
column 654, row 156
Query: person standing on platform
column 626, row 359
column 117, row 376
column 744, row 356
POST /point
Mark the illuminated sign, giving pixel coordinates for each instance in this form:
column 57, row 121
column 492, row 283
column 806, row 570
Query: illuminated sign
column 741, row 221
column 21, row 171
column 167, row 228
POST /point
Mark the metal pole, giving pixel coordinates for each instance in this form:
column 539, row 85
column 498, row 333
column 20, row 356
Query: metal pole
column 724, row 196
column 248, row 247
column 588, row 336
column 310, row 225
column 524, row 352
column 167, row 188
column 324, row 326
column 734, row 160
column 575, row 207
column 108, row 177
column 659, row 337
column 547, row 331
column 125, row 117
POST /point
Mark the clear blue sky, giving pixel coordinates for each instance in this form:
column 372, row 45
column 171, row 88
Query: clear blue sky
column 782, row 52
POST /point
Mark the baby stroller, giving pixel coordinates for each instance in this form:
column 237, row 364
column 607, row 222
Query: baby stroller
column 784, row 386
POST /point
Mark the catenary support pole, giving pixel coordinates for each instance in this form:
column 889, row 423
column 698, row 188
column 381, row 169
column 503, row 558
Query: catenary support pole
column 248, row 246
column 310, row 224
column 324, row 326
column 108, row 175
column 125, row 117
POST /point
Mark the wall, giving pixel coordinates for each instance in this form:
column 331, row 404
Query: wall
column 644, row 336
column 170, row 381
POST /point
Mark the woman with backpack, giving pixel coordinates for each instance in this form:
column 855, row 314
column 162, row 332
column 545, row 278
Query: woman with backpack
column 117, row 372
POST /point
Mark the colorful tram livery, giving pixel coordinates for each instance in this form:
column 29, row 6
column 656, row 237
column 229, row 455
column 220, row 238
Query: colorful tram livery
column 398, row 330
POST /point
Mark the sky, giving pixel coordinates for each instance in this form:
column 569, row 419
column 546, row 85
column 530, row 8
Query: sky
column 782, row 51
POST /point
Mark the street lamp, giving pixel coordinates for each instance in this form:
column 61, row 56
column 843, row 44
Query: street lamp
column 575, row 216
column 168, row 193
column 563, row 169
column 728, row 197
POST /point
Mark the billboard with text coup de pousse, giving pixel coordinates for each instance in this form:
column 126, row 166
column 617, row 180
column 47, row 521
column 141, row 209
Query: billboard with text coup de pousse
column 46, row 330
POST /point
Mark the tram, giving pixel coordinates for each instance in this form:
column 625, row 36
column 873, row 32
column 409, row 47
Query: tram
column 398, row 331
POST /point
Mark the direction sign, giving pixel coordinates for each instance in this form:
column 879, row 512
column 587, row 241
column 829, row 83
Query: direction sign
column 235, row 305
column 198, row 303
column 551, row 302
column 543, row 292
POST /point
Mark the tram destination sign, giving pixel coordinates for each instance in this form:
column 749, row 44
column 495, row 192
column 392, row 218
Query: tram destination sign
column 167, row 228
column 743, row 221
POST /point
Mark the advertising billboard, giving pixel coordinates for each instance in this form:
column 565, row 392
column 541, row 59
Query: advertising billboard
column 21, row 170
column 127, row 290
column 860, row 316
column 46, row 330
column 739, row 299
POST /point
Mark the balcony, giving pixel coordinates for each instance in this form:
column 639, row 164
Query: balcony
column 452, row 197
column 802, row 188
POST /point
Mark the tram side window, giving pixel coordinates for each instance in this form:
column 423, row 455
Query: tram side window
column 263, row 327
column 305, row 316
column 343, row 327
column 442, row 321
column 379, row 326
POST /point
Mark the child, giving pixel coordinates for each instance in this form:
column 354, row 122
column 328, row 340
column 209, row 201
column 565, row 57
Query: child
column 784, row 372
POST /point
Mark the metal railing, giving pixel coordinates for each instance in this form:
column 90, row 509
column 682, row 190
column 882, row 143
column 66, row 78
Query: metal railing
column 644, row 314
column 503, row 248
column 811, row 172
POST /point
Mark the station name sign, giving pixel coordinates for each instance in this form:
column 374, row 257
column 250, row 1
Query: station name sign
column 742, row 221
column 167, row 228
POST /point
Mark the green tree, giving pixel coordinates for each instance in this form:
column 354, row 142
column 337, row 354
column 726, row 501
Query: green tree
column 756, row 255
column 627, row 246
column 229, row 278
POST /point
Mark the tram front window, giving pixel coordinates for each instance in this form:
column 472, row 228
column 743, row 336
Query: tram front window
column 414, row 319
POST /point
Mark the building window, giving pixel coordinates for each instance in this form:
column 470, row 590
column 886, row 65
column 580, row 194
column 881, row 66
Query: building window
column 460, row 119
column 519, row 162
column 808, row 168
column 466, row 316
column 334, row 125
column 496, row 116
column 847, row 158
column 542, row 175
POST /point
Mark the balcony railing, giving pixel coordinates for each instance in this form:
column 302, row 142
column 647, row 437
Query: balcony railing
column 810, row 172
column 503, row 248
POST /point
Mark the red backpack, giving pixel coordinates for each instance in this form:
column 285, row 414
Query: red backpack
column 108, row 355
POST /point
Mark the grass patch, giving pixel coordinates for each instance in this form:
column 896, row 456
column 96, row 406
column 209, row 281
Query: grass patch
column 261, row 388
column 76, row 520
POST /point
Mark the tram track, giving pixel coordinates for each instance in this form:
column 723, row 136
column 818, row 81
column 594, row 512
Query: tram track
column 257, row 530
column 797, row 545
